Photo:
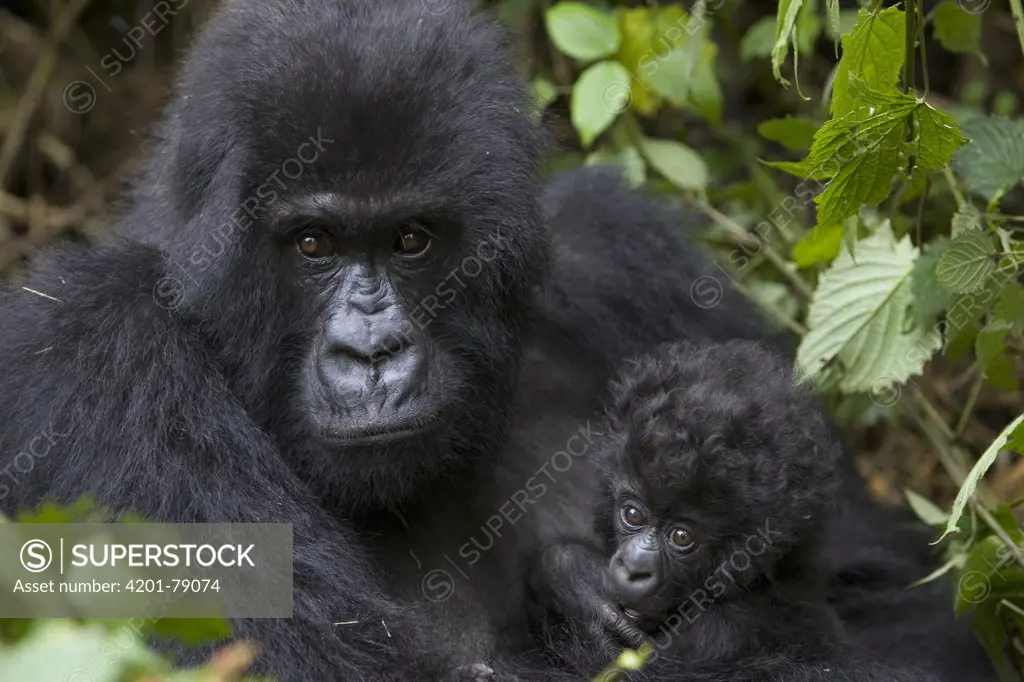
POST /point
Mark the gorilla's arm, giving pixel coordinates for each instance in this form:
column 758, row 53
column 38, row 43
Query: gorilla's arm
column 142, row 421
column 568, row 578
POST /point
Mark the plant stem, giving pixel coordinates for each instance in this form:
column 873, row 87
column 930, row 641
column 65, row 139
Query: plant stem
column 992, row 523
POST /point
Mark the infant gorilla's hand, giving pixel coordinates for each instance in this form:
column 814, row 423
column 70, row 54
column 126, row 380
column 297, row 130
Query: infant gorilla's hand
column 617, row 623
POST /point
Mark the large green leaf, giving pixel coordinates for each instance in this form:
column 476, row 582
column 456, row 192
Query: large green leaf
column 600, row 94
column 582, row 31
column 873, row 52
column 994, row 159
column 680, row 165
column 863, row 150
column 859, row 318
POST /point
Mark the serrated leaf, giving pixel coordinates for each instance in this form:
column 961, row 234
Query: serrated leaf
column 785, row 26
column 859, row 317
column 581, row 31
column 874, row 52
column 866, row 155
column 759, row 40
column 929, row 300
column 598, row 97
column 967, row 263
column 994, row 159
column 679, row 164
column 864, row 149
column 974, row 476
column 968, row 217
column 925, row 509
column 628, row 159
column 795, row 133
column 820, row 245
column 957, row 29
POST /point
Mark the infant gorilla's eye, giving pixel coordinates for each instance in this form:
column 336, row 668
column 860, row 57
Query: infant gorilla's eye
column 632, row 516
column 412, row 241
column 316, row 244
column 681, row 538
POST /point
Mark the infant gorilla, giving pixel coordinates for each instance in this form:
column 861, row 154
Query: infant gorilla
column 716, row 481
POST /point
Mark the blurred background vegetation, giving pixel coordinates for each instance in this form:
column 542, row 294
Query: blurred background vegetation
column 901, row 281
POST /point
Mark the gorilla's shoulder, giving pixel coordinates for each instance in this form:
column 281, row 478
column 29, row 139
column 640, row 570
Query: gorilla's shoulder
column 629, row 269
column 79, row 297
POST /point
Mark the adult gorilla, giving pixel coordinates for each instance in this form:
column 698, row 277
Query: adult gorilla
column 336, row 301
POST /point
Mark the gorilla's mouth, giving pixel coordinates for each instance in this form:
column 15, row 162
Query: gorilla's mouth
column 632, row 613
column 383, row 432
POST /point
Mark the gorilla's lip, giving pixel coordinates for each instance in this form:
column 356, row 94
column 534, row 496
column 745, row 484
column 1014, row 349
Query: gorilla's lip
column 383, row 433
column 632, row 613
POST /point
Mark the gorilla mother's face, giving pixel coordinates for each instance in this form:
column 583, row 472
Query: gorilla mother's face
column 404, row 250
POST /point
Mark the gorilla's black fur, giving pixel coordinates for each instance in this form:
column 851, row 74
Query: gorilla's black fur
column 716, row 483
column 203, row 371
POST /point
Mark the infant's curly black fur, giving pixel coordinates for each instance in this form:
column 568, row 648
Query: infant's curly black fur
column 717, row 476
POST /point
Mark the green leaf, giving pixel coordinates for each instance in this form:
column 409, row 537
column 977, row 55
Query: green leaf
column 929, row 300
column 581, row 31
column 865, row 155
column 1016, row 440
column 679, row 164
column 957, row 29
column 1002, row 373
column 759, row 40
column 925, row 509
column 874, row 52
column 820, row 245
column 793, row 132
column 937, row 137
column 835, row 28
column 975, row 474
column 649, row 35
column 705, row 93
column 634, row 169
column 994, row 159
column 847, row 20
column 863, row 150
column 785, row 26
column 968, row 217
column 598, row 97
column 859, row 317
column 990, row 343
column 967, row 263
column 1010, row 306
column 58, row 649
column 543, row 92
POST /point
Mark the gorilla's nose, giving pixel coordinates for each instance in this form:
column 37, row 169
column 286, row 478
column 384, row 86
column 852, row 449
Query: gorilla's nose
column 372, row 360
column 634, row 575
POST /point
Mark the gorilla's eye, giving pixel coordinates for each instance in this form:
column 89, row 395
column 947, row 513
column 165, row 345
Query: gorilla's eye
column 682, row 539
column 316, row 244
column 412, row 241
column 633, row 517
